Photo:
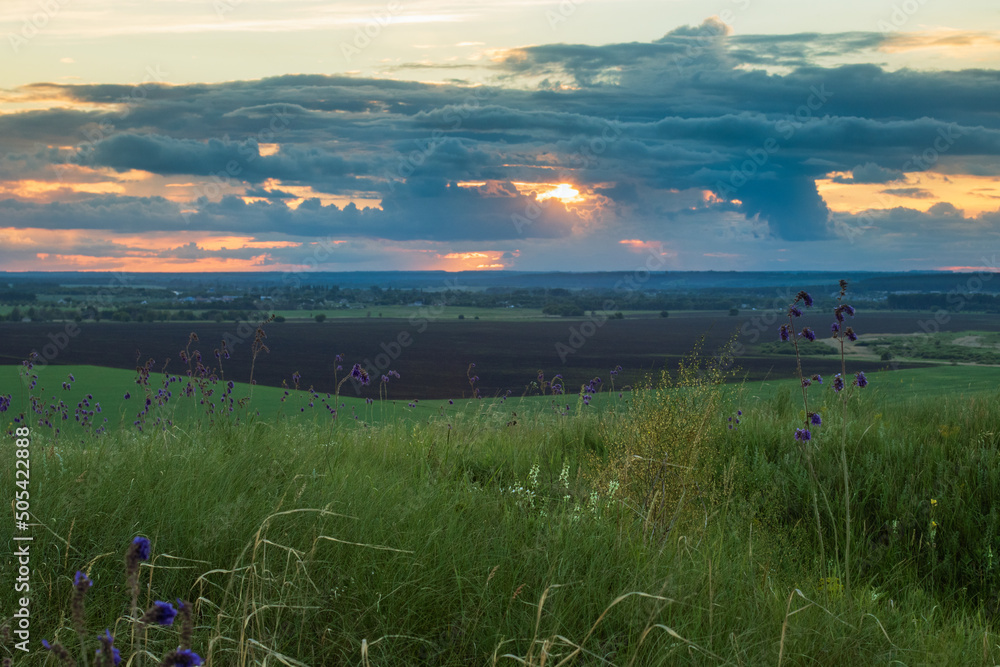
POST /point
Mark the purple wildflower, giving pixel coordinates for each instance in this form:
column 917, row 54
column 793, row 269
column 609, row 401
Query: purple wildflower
column 860, row 380
column 360, row 374
column 808, row 333
column 182, row 658
column 834, row 328
column 60, row 651
column 784, row 332
column 141, row 548
column 792, row 310
column 81, row 580
column 161, row 613
column 107, row 642
column 851, row 336
column 815, row 419
column 805, row 298
column 803, row 434
column 838, row 383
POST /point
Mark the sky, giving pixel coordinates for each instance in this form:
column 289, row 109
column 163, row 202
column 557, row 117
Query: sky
column 531, row 135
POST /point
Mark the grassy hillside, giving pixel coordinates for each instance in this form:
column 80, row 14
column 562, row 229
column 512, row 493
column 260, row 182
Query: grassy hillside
column 108, row 387
column 641, row 530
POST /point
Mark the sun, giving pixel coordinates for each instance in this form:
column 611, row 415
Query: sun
column 564, row 192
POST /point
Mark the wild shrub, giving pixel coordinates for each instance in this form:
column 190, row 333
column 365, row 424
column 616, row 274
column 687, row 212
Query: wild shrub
column 660, row 452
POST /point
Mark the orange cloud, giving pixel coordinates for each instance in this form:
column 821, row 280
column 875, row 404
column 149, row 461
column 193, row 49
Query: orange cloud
column 983, row 46
column 972, row 194
column 151, row 246
column 48, row 191
column 304, row 192
column 968, row 269
column 58, row 262
column 564, row 192
column 654, row 247
column 470, row 261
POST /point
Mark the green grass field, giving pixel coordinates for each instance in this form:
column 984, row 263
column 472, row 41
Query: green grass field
column 109, row 385
column 638, row 531
column 904, row 385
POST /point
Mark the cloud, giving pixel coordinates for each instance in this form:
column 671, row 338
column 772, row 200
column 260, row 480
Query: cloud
column 912, row 193
column 645, row 128
column 870, row 173
column 431, row 211
column 792, row 207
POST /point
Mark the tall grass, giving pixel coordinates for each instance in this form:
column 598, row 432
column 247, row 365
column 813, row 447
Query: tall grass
column 470, row 540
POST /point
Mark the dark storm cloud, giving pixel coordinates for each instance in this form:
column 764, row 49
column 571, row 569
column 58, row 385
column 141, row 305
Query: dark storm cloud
column 305, row 254
column 902, row 222
column 870, row 173
column 269, row 194
column 692, row 110
column 427, row 210
column 801, row 49
column 792, row 206
column 168, row 156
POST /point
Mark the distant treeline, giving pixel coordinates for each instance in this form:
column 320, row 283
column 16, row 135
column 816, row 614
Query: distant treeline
column 147, row 304
column 126, row 314
column 929, row 282
column 17, row 297
column 863, row 283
